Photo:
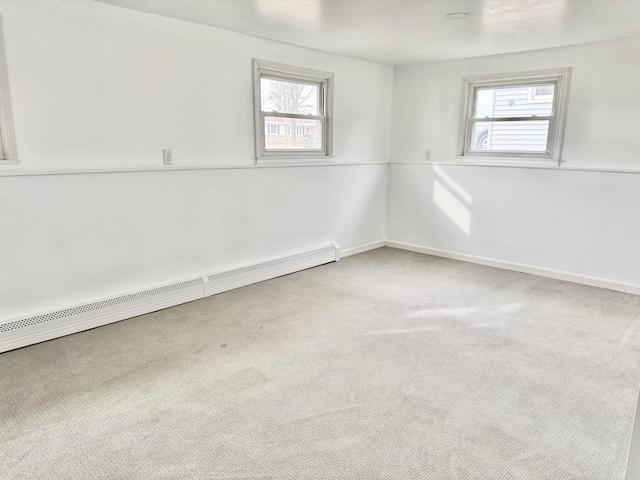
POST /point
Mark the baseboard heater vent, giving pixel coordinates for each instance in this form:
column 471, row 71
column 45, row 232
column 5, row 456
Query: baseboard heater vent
column 27, row 330
column 102, row 304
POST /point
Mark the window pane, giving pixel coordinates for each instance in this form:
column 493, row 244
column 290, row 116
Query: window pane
column 525, row 136
column 289, row 97
column 292, row 134
column 543, row 90
column 525, row 101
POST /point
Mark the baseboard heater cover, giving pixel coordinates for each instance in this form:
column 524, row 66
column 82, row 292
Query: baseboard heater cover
column 27, row 330
column 239, row 277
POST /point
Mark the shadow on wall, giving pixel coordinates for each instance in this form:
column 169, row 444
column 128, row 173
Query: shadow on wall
column 452, row 199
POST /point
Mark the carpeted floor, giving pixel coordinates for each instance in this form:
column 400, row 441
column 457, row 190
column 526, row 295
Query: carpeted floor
column 386, row 365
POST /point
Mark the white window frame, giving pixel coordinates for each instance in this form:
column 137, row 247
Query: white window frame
column 8, row 150
column 559, row 77
column 279, row 71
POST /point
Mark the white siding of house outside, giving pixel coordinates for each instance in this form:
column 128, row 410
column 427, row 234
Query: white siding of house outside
column 518, row 136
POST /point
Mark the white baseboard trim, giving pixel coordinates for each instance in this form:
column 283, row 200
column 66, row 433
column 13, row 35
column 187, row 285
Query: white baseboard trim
column 519, row 267
column 27, row 330
column 362, row 248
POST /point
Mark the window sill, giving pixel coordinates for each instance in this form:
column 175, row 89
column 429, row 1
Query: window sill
column 9, row 165
column 555, row 166
column 291, row 159
column 507, row 161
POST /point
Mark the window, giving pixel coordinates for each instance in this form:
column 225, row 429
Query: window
column 292, row 111
column 272, row 129
column 8, row 153
column 515, row 116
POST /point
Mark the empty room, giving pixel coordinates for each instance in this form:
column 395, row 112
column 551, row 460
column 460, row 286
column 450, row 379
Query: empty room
column 319, row 239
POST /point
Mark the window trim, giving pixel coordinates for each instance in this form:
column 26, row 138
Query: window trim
column 560, row 77
column 264, row 68
column 8, row 149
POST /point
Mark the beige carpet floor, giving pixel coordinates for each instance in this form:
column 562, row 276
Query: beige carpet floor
column 385, row 365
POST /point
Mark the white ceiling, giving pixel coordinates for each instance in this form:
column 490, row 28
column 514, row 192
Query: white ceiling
column 405, row 31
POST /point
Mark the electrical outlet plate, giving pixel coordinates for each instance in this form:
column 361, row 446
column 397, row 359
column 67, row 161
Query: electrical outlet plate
column 167, row 158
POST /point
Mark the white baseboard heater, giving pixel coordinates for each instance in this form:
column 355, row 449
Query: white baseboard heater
column 27, row 330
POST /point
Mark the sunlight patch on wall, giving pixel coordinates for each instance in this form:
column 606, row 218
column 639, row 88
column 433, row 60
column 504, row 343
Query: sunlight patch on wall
column 452, row 206
column 452, row 199
column 451, row 183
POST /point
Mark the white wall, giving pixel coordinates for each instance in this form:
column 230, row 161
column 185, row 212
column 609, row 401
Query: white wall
column 581, row 222
column 67, row 239
column 97, row 87
column 602, row 119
